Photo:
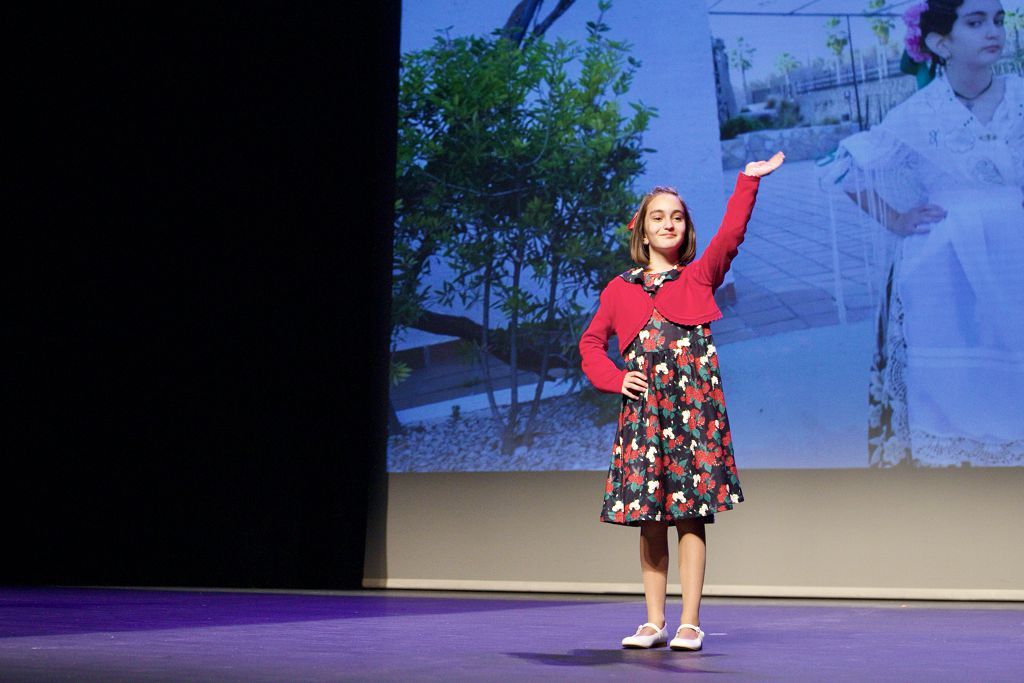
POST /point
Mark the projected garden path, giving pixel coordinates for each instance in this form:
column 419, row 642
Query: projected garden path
column 785, row 278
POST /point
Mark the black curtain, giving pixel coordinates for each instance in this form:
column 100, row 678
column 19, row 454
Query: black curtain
column 203, row 197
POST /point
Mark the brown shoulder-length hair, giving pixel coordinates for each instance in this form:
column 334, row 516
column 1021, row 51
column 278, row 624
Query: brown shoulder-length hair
column 641, row 252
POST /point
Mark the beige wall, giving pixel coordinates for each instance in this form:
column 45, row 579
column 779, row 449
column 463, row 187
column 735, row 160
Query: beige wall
column 935, row 534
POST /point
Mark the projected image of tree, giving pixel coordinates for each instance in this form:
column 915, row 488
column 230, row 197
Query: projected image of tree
column 516, row 166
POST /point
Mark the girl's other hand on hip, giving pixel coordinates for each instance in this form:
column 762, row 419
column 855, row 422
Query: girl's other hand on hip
column 909, row 222
column 634, row 381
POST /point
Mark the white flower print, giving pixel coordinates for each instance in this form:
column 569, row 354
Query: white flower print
column 679, row 497
column 651, row 453
column 686, row 415
column 651, row 485
column 635, row 505
column 711, row 349
column 668, row 433
column 714, row 380
column 734, row 498
column 644, row 335
column 703, row 510
column 640, row 361
column 696, row 479
column 618, row 506
column 682, row 380
column 661, row 368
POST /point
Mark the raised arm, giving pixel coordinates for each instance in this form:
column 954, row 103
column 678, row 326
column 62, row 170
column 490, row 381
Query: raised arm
column 714, row 262
column 597, row 366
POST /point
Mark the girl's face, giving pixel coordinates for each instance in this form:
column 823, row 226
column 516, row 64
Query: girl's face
column 978, row 35
column 665, row 224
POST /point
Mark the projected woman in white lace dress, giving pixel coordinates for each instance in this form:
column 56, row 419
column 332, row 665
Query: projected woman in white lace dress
column 944, row 172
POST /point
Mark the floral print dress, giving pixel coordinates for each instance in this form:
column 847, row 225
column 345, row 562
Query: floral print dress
column 673, row 456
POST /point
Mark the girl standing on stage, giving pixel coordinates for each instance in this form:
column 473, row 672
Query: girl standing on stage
column 672, row 461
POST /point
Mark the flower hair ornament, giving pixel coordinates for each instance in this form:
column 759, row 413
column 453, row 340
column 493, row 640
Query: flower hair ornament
column 632, row 221
column 916, row 60
column 914, row 42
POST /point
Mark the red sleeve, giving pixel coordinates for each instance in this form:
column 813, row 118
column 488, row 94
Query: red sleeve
column 711, row 267
column 597, row 366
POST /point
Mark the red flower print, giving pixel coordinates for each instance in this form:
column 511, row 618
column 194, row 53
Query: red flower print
column 703, row 457
column 674, row 451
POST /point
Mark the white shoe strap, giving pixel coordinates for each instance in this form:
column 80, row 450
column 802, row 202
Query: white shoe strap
column 652, row 625
column 695, row 628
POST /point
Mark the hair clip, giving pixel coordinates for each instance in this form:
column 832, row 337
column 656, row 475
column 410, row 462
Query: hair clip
column 632, row 221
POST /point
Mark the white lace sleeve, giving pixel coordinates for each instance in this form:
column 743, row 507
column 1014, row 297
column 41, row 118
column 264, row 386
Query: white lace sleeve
column 876, row 160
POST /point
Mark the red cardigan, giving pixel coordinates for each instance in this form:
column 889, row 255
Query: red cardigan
column 625, row 307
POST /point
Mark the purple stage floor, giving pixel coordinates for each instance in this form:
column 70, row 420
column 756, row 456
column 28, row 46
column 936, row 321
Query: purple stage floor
column 84, row 634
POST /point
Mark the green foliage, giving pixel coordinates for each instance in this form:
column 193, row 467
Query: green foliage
column 837, row 39
column 785, row 114
column 786, row 62
column 515, row 162
column 1014, row 23
column 740, row 56
column 880, row 26
column 742, row 124
column 398, row 372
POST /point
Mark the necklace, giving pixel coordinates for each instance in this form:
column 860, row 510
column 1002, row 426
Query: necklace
column 969, row 101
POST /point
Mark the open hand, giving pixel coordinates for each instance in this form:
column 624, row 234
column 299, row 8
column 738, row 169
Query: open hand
column 763, row 168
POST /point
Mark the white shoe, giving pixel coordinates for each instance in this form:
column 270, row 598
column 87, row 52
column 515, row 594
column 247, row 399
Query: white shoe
column 687, row 643
column 638, row 640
